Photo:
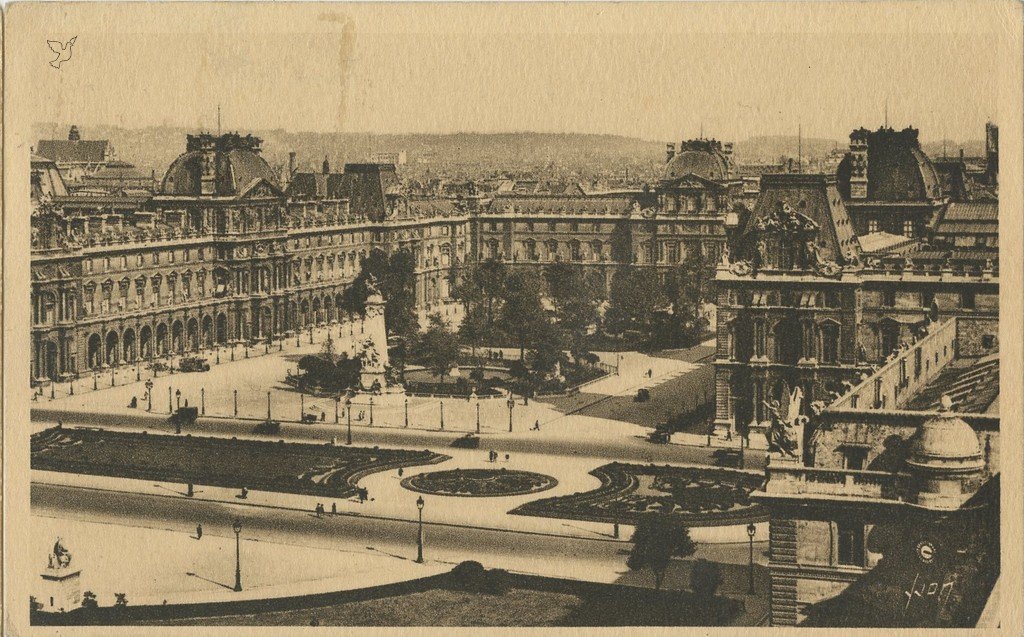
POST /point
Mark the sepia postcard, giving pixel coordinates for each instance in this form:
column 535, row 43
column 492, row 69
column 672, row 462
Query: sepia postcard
column 676, row 318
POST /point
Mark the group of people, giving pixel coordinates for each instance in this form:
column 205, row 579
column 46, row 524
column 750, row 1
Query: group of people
column 492, row 456
column 321, row 512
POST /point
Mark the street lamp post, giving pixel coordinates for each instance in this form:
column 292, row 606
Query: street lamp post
column 348, row 408
column 511, row 405
column 419, row 537
column 337, row 402
column 236, row 401
column 237, row 528
column 177, row 398
column 302, row 406
column 268, row 405
column 751, row 530
column 478, row 416
column 202, row 400
column 406, row 411
column 442, row 415
column 149, row 394
column 371, row 411
column 170, row 403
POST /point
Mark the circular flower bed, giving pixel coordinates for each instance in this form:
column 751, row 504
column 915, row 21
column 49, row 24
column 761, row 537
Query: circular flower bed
column 482, row 483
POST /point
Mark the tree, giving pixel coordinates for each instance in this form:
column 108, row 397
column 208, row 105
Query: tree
column 438, row 348
column 523, row 312
column 89, row 600
column 575, row 297
column 636, row 294
column 656, row 540
column 705, row 578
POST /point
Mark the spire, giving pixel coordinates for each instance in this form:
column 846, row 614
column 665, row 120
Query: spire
column 218, row 120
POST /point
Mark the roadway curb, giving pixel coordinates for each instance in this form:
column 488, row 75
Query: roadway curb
column 339, row 514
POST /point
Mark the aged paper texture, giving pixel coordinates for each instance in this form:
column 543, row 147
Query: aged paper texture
column 574, row 316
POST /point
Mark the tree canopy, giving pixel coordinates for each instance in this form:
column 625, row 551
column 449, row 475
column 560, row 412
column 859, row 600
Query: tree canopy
column 657, row 539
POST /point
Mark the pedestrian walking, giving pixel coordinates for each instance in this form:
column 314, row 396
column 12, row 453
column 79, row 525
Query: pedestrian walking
column 316, row 509
column 323, row 416
column 650, row 373
column 334, row 508
column 536, row 425
column 199, row 531
column 400, row 472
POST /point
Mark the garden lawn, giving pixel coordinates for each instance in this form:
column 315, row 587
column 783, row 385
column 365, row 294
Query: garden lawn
column 269, row 466
column 516, row 607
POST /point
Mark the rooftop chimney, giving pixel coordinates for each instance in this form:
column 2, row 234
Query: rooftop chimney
column 326, row 166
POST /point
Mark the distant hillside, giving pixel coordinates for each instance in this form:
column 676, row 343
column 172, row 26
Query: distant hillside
column 770, row 148
column 560, row 153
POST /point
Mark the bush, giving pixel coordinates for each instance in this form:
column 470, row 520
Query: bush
column 468, row 576
column 705, row 578
column 642, row 395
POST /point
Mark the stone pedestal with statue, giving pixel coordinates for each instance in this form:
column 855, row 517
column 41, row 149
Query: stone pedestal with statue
column 373, row 348
column 61, row 588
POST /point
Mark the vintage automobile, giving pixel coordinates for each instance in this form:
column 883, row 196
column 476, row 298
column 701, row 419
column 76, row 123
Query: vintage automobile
column 193, row 364
column 267, row 427
column 184, row 416
column 307, row 418
column 469, row 441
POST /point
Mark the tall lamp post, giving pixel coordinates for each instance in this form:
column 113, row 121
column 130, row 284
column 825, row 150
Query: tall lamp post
column 348, row 408
column 406, row 411
column 237, row 528
column 751, row 530
column 371, row 411
column 419, row 536
column 478, row 416
column 511, row 405
column 177, row 398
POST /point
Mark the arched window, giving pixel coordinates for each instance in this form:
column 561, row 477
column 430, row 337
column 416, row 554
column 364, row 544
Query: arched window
column 829, row 348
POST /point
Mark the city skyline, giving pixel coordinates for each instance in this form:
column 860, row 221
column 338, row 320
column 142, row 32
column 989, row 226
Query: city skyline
column 516, row 77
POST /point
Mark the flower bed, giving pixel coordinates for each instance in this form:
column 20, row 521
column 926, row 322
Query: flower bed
column 698, row 496
column 479, row 482
column 269, row 466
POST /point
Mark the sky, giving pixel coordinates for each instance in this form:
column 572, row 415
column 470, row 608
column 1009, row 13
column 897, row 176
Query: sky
column 658, row 73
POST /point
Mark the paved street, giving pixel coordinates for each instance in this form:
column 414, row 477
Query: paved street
column 290, row 552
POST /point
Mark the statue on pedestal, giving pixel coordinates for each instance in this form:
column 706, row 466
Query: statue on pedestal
column 783, row 432
column 60, row 557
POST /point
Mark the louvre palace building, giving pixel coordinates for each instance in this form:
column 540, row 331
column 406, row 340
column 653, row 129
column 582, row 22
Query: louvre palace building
column 223, row 249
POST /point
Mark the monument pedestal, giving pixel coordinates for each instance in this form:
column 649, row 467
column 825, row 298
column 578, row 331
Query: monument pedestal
column 61, row 590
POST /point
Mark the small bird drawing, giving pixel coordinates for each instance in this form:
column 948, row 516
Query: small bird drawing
column 63, row 51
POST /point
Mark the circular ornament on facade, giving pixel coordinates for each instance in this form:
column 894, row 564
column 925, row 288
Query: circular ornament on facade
column 925, row 551
column 479, row 483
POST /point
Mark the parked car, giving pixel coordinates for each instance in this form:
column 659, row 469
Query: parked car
column 469, row 441
column 310, row 418
column 267, row 427
column 184, row 416
column 193, row 364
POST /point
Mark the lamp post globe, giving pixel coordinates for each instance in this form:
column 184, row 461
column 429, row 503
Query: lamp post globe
column 419, row 536
column 236, row 526
column 348, row 417
column 751, row 531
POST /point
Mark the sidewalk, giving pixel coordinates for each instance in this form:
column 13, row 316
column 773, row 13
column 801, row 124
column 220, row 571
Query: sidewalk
column 153, row 565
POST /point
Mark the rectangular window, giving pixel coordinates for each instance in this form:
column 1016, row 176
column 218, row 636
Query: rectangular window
column 552, row 226
column 156, row 258
column 908, row 229
column 138, row 260
column 872, row 225
column 889, row 298
column 967, row 300
column 917, row 363
column 170, row 256
column 854, row 457
column 851, row 543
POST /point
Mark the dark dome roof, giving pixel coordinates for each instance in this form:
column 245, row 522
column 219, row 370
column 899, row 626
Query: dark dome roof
column 235, row 171
column 703, row 158
column 898, row 170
